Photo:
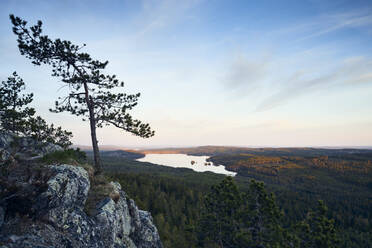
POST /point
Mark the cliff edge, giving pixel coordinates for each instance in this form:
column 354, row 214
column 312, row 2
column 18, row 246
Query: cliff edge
column 45, row 206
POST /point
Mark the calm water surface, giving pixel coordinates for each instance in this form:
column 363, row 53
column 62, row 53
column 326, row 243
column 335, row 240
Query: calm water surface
column 197, row 163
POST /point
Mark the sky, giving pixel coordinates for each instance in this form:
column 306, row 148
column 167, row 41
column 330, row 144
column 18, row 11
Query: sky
column 238, row 73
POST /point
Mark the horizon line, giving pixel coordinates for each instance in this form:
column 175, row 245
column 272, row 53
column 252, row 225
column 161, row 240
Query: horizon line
column 151, row 147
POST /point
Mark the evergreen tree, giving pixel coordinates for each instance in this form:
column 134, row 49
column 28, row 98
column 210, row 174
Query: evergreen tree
column 260, row 219
column 16, row 117
column 317, row 230
column 39, row 130
column 231, row 218
column 91, row 92
column 14, row 113
column 219, row 221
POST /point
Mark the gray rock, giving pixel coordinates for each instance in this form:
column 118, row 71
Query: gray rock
column 6, row 139
column 2, row 215
column 49, row 147
column 23, row 147
column 58, row 218
column 68, row 188
column 4, row 155
column 146, row 233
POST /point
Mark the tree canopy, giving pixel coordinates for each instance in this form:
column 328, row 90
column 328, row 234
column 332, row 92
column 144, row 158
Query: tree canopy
column 18, row 118
column 91, row 92
column 14, row 112
column 231, row 218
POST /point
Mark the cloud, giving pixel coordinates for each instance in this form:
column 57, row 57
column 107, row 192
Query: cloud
column 352, row 71
column 307, row 66
column 246, row 74
column 160, row 14
column 328, row 23
column 340, row 21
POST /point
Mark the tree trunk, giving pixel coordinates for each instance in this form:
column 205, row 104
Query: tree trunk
column 92, row 122
column 97, row 158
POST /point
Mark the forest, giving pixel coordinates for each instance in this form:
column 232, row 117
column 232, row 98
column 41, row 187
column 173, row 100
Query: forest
column 342, row 178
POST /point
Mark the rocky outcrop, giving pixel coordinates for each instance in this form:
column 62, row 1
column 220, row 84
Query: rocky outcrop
column 12, row 145
column 50, row 213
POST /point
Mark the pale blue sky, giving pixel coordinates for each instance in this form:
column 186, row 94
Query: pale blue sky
column 247, row 73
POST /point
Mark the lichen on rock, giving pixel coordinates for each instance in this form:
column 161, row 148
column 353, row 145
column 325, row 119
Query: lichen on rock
column 26, row 148
column 57, row 218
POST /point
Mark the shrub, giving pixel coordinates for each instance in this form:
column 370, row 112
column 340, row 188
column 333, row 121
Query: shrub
column 68, row 156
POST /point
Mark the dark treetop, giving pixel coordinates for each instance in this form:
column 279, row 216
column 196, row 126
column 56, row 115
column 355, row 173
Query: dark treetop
column 91, row 92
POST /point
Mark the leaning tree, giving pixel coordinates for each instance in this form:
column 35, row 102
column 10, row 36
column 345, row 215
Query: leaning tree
column 91, row 92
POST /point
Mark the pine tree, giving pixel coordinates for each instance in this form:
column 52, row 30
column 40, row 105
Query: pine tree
column 218, row 223
column 317, row 230
column 16, row 117
column 231, row 218
column 38, row 129
column 14, row 112
column 91, row 92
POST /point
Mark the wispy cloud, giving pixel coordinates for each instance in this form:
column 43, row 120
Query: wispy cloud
column 160, row 14
column 310, row 66
column 349, row 73
column 331, row 23
column 244, row 74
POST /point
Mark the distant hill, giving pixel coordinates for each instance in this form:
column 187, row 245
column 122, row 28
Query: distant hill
column 284, row 151
column 119, row 154
column 102, row 148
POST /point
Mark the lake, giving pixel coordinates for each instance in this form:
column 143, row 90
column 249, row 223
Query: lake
column 197, row 163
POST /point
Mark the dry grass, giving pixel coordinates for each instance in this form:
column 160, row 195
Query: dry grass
column 100, row 188
column 115, row 196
